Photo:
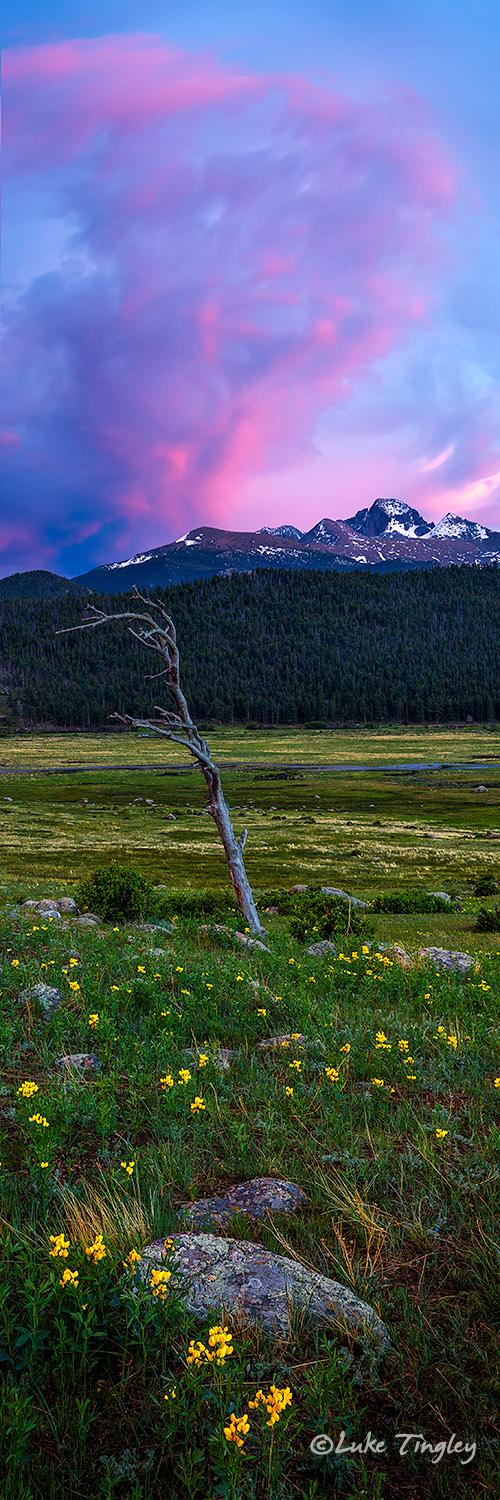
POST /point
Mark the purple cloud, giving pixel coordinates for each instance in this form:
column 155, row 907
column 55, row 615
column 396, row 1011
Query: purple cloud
column 218, row 258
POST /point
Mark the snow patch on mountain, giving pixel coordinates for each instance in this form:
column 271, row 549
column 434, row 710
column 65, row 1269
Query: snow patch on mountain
column 291, row 531
column 456, row 526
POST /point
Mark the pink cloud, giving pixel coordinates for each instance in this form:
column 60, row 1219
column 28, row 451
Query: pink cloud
column 242, row 250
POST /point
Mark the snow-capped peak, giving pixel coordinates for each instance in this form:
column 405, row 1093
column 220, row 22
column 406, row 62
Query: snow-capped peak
column 456, row 526
column 291, row 531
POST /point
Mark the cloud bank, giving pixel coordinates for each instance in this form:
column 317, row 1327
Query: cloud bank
column 205, row 264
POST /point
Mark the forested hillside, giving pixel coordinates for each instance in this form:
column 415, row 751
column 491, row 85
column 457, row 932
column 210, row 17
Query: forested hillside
column 271, row 647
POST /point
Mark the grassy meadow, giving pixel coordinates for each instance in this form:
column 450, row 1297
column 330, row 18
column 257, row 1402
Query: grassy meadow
column 397, row 1145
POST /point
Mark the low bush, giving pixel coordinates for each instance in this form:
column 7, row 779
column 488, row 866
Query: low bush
column 486, row 886
column 409, row 901
column 117, row 894
column 488, row 921
column 316, row 916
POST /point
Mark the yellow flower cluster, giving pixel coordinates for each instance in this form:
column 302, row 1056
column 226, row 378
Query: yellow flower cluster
column 128, row 1167
column 97, row 1251
column 28, row 1088
column 158, row 1282
column 93, row 1020
column 132, row 1260
column 276, row 1401
column 378, row 1083
column 440, row 1134
column 237, row 1430
column 184, row 1075
column 332, row 1074
column 69, row 1278
column 60, row 1244
column 197, row 1105
column 167, row 1082
column 381, row 1043
column 38, row 1120
column 296, row 1064
column 219, row 1347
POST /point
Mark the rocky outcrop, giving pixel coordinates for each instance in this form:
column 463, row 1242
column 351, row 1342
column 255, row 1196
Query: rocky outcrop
column 239, row 1279
column 255, row 1199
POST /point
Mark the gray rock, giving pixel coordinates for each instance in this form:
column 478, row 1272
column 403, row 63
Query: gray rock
column 272, row 911
column 443, row 896
column 242, row 1280
column 222, row 1057
column 294, row 890
column 481, row 789
column 272, row 1043
column 67, row 904
column 331, row 890
column 444, row 958
column 47, row 996
column 78, row 1062
column 88, row 919
column 320, row 950
column 255, row 1199
column 241, row 937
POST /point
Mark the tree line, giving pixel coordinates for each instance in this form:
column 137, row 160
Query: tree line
column 270, row 647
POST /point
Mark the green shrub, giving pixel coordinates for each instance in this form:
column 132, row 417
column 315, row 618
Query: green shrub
column 409, row 901
column 199, row 904
column 486, row 886
column 316, row 916
column 117, row 894
column 488, row 921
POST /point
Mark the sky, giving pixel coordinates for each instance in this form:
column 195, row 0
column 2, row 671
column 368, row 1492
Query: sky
column 249, row 268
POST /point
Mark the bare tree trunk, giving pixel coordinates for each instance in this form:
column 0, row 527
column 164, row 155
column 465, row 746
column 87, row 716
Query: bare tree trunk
column 159, row 634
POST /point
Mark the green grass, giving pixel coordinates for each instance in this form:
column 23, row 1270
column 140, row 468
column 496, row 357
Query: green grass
column 407, row 1219
column 380, row 746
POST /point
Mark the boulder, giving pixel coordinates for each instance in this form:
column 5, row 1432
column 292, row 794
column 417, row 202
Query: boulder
column 399, row 953
column 272, row 1043
column 236, row 1279
column 88, row 919
column 444, row 958
column 255, row 1199
column 295, row 890
column 46, row 995
column 481, row 789
column 241, row 937
column 443, row 896
column 320, row 950
column 78, row 1062
column 331, row 890
column 221, row 1056
column 68, row 906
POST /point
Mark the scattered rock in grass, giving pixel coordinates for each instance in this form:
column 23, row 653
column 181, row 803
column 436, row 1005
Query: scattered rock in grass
column 271, row 911
column 430, row 835
column 331, row 890
column 242, row 1280
column 255, row 1199
column 221, row 1056
column 67, row 904
column 241, row 937
column 481, row 789
column 78, row 1062
column 444, row 958
column 271, row 1043
column 399, row 953
column 150, row 927
column 88, row 919
column 320, row 950
column 48, row 997
column 295, row 890
column 443, row 896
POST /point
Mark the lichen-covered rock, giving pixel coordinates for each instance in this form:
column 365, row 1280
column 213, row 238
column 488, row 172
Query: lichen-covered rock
column 78, row 1062
column 222, row 1057
column 239, row 1279
column 331, row 890
column 444, row 958
column 443, row 896
column 399, row 954
column 46, row 995
column 88, row 919
column 296, row 890
column 256, row 1199
column 272, row 1043
column 321, row 950
column 67, row 904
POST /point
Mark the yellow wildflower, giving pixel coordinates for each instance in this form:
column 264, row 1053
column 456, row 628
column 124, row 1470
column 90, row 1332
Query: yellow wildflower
column 97, row 1251
column 28, row 1088
column 60, row 1244
column 69, row 1278
column 198, row 1104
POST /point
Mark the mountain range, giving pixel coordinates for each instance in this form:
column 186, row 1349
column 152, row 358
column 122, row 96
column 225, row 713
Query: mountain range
column 387, row 536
